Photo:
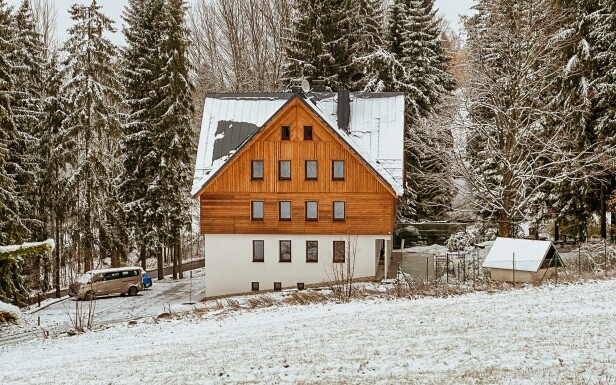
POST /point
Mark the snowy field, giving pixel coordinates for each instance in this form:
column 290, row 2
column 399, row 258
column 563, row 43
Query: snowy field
column 536, row 335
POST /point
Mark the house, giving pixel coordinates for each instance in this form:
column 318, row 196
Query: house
column 291, row 185
column 522, row 260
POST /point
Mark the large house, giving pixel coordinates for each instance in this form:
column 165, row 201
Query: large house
column 291, row 185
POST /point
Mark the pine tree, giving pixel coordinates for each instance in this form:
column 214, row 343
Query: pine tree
column 93, row 91
column 142, row 66
column 172, row 132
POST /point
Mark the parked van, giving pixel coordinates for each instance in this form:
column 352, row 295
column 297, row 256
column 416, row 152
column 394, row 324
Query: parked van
column 120, row 280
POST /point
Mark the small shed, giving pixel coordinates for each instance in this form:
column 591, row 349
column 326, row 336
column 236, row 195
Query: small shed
column 522, row 260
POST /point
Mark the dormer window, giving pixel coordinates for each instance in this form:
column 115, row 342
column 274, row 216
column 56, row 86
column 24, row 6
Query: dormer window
column 284, row 169
column 285, row 133
column 307, row 132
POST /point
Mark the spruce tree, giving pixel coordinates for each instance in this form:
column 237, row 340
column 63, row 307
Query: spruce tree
column 172, row 132
column 142, row 65
column 93, row 92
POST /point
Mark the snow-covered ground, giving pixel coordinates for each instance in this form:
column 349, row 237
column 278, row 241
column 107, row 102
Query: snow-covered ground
column 536, row 335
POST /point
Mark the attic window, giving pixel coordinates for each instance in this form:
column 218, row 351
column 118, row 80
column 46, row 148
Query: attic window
column 338, row 170
column 286, row 133
column 307, row 132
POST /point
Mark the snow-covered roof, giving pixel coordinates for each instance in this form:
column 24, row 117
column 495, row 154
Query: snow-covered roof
column 528, row 254
column 375, row 132
column 113, row 270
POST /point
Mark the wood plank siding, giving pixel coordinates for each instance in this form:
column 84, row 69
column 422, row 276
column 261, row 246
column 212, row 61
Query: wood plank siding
column 226, row 199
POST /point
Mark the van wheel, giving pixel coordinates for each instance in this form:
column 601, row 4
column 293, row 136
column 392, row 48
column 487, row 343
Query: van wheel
column 90, row 296
column 132, row 290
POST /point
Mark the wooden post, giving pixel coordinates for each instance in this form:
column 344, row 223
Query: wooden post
column 427, row 269
column 603, row 214
column 513, row 269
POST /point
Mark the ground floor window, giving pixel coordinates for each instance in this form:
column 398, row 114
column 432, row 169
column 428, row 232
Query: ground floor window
column 285, row 251
column 312, row 251
column 255, row 286
column 258, row 251
column 339, row 251
column 277, row 286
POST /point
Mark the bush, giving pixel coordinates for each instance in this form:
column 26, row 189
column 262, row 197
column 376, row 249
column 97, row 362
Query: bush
column 460, row 241
column 9, row 313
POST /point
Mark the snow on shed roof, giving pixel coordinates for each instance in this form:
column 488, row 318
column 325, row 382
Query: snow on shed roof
column 529, row 254
column 376, row 128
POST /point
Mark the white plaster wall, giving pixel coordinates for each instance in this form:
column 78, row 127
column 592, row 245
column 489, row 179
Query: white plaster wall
column 230, row 269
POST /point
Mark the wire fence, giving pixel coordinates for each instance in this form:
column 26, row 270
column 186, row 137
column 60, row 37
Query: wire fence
column 589, row 260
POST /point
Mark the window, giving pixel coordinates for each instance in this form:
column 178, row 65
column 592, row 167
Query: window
column 285, row 251
column 258, row 251
column 312, row 251
column 112, row 276
column 255, row 286
column 312, row 211
column 257, row 210
column 277, row 286
column 300, row 286
column 286, row 133
column 339, row 251
column 311, row 170
column 256, row 170
column 284, row 210
column 338, row 169
column 339, row 211
column 130, row 273
column 284, row 169
column 307, row 132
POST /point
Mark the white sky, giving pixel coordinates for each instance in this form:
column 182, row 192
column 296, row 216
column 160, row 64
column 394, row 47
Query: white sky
column 450, row 9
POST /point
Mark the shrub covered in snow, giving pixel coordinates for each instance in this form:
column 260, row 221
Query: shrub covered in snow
column 9, row 313
column 460, row 241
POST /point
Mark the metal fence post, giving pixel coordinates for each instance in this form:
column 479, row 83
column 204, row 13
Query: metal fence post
column 513, row 269
column 427, row 269
column 579, row 259
column 447, row 267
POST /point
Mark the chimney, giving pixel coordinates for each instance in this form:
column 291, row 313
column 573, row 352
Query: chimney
column 344, row 110
column 319, row 85
column 299, row 86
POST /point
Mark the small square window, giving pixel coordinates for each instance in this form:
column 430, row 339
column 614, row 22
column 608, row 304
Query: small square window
column 285, row 251
column 339, row 252
column 286, row 133
column 300, row 286
column 284, row 169
column 312, row 211
column 284, row 210
column 312, row 251
column 256, row 170
column 311, row 170
column 277, row 286
column 338, row 169
column 255, row 286
column 339, row 214
column 257, row 210
column 258, row 251
column 307, row 132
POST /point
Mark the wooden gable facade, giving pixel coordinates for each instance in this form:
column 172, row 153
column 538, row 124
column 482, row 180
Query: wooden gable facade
column 225, row 200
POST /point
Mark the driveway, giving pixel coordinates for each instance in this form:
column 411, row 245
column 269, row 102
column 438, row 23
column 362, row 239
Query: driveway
column 59, row 316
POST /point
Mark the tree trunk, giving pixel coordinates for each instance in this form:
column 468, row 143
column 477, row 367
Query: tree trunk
column 160, row 263
column 179, row 256
column 57, row 258
column 142, row 256
column 174, row 258
column 603, row 214
column 556, row 232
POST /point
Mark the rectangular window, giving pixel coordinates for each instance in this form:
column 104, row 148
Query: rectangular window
column 258, row 251
column 284, row 210
column 339, row 214
column 257, row 210
column 255, row 286
column 312, row 211
column 277, row 286
column 256, row 169
column 285, row 251
column 312, row 251
column 300, row 286
column 311, row 170
column 338, row 169
column 307, row 132
column 284, row 169
column 286, row 133
column 339, row 251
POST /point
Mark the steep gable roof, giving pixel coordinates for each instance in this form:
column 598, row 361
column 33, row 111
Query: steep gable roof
column 231, row 120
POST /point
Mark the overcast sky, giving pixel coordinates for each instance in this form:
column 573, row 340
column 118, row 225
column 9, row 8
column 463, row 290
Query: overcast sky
column 450, row 9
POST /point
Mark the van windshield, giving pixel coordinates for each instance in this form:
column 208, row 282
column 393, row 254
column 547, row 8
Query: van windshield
column 85, row 278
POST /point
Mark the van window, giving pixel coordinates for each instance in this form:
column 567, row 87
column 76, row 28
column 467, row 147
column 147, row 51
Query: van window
column 130, row 273
column 112, row 276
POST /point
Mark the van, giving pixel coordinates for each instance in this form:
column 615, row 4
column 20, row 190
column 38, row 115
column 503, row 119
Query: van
column 96, row 283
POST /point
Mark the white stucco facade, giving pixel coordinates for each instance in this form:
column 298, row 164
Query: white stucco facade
column 230, row 268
